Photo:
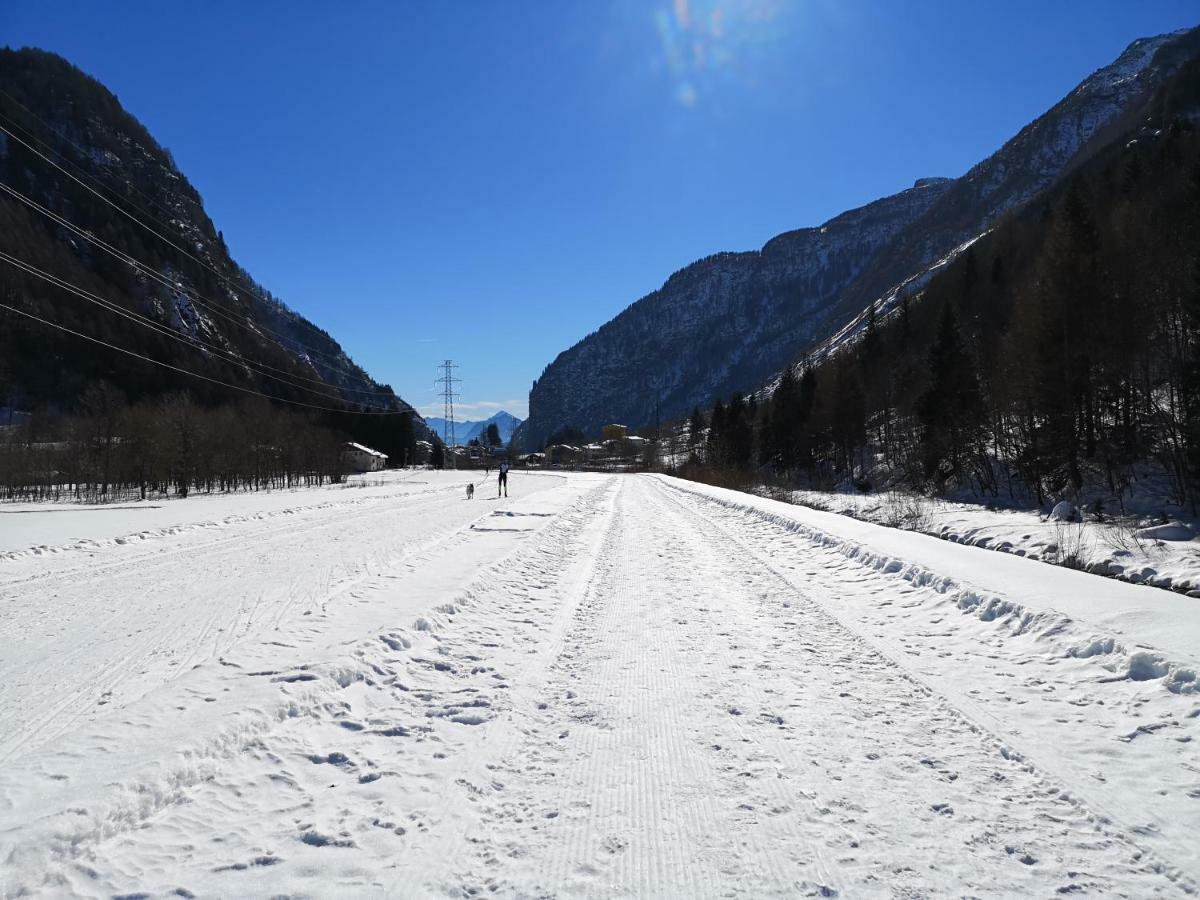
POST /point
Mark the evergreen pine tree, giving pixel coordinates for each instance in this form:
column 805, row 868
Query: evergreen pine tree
column 869, row 350
column 695, row 427
column 782, row 443
column 714, row 452
column 739, row 441
column 1190, row 386
column 951, row 409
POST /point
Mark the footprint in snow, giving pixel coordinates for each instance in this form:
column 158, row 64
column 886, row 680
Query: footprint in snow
column 333, row 759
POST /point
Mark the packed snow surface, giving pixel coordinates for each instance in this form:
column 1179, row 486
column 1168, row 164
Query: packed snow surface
column 604, row 685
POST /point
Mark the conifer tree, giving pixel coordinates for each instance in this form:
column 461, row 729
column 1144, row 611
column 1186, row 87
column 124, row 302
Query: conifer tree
column 951, row 409
column 695, row 428
column 849, row 414
column 739, row 441
column 783, row 436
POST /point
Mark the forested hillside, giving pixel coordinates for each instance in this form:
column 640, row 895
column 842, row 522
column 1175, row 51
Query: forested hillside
column 1058, row 356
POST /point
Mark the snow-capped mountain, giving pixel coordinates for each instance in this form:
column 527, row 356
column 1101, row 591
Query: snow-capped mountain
column 466, row 431
column 729, row 322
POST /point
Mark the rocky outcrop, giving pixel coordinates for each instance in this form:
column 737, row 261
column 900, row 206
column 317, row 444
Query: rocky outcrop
column 721, row 324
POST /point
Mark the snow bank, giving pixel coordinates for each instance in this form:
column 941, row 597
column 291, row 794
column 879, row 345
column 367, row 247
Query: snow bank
column 1143, row 623
column 1160, row 555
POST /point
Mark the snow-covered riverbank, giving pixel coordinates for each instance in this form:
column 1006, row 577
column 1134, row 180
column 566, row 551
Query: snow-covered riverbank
column 1141, row 550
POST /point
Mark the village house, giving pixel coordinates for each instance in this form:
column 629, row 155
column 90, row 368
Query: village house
column 363, row 459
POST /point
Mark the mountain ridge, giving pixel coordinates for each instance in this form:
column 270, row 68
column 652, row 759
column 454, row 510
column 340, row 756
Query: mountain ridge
column 468, row 430
column 812, row 257
column 614, row 374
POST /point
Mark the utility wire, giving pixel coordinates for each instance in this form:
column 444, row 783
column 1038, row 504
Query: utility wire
column 157, row 234
column 212, row 305
column 162, row 278
column 108, row 183
column 244, row 390
column 194, row 343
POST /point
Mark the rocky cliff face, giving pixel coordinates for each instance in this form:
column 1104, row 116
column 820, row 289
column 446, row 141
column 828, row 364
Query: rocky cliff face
column 723, row 323
column 729, row 322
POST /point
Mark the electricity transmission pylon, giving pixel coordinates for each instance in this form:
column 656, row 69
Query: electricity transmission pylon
column 449, row 395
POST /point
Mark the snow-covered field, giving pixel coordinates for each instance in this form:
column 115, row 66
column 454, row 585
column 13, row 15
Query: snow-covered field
column 606, row 685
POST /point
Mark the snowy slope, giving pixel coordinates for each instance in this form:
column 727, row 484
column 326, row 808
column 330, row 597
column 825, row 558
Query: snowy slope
column 605, row 685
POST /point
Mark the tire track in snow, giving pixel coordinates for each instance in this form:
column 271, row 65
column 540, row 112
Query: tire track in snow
column 637, row 803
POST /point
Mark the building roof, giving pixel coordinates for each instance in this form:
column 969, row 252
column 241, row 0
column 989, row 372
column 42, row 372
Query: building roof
column 366, row 450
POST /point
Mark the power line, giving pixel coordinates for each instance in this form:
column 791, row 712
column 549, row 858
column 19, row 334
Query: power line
column 163, row 279
column 142, row 224
column 194, row 343
column 212, row 306
column 230, row 315
column 106, row 182
column 244, row 390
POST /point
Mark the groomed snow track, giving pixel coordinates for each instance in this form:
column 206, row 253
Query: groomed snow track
column 604, row 686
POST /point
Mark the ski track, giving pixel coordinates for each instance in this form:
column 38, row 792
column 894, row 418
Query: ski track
column 1116, row 732
column 607, row 687
column 729, row 738
column 150, row 609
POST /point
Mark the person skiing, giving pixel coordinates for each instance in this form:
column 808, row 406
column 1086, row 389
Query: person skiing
column 502, row 478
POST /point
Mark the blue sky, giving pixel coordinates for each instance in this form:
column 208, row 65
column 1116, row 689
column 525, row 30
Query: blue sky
column 492, row 181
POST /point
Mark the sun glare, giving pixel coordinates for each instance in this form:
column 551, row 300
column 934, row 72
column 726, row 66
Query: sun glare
column 704, row 42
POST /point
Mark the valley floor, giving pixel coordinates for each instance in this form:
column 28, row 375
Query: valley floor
column 604, row 685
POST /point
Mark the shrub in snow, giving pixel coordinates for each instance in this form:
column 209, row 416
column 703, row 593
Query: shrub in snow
column 1064, row 511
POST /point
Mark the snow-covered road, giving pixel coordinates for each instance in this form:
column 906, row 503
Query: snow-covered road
column 603, row 686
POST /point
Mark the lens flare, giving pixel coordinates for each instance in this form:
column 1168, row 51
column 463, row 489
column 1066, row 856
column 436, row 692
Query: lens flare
column 705, row 41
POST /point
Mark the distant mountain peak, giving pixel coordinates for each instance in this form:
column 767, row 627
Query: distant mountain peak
column 467, row 429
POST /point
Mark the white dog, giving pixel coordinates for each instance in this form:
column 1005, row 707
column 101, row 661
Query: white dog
column 470, row 491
